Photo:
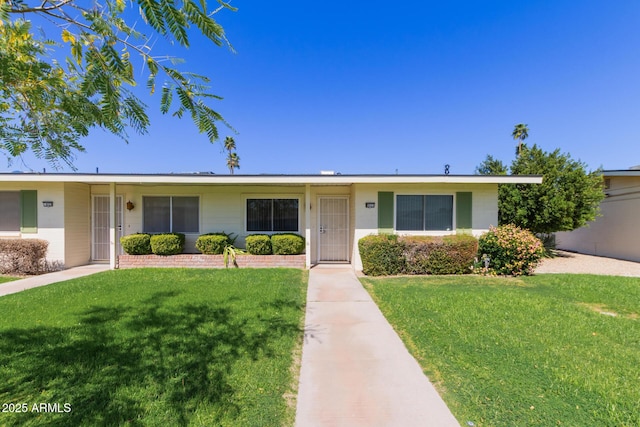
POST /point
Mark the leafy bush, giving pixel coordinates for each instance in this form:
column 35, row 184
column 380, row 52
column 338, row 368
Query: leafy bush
column 167, row 243
column 258, row 244
column 287, row 244
column 439, row 254
column 510, row 250
column 213, row 243
column 136, row 244
column 382, row 254
column 22, row 256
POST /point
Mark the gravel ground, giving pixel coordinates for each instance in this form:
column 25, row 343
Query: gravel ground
column 570, row 262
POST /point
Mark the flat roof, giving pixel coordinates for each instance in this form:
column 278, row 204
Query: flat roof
column 198, row 178
column 621, row 172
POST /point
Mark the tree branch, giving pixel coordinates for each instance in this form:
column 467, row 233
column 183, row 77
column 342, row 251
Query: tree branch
column 41, row 8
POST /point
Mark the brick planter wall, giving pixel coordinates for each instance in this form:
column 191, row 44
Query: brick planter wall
column 210, row 261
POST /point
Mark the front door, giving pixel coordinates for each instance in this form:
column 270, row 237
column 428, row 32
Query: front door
column 333, row 229
column 100, row 227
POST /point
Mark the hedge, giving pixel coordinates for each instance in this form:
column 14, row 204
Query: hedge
column 258, row 244
column 439, row 255
column 212, row 243
column 23, row 256
column 287, row 244
column 167, row 243
column 382, row 255
column 136, row 244
column 389, row 254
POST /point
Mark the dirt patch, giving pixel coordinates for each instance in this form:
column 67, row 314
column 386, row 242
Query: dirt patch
column 605, row 311
column 571, row 262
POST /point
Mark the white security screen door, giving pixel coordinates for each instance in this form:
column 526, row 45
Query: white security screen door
column 100, row 227
column 333, row 229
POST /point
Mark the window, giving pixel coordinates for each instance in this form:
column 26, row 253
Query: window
column 9, row 211
column 171, row 214
column 424, row 213
column 272, row 215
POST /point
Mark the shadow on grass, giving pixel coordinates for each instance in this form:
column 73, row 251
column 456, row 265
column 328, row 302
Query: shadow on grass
column 155, row 363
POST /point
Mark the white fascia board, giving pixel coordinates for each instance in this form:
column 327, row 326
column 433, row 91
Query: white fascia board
column 630, row 172
column 270, row 179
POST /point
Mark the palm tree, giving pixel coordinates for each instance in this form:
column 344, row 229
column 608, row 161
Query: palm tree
column 520, row 133
column 233, row 162
column 229, row 143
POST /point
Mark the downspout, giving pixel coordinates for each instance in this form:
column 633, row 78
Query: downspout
column 307, row 224
column 112, row 226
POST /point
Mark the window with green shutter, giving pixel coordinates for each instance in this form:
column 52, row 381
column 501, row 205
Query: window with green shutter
column 385, row 211
column 464, row 211
column 29, row 211
column 424, row 212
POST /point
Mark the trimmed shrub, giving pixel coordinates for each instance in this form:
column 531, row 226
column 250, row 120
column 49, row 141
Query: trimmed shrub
column 453, row 254
column 22, row 256
column 167, row 243
column 382, row 255
column 136, row 244
column 510, row 250
column 389, row 254
column 212, row 243
column 258, row 244
column 287, row 244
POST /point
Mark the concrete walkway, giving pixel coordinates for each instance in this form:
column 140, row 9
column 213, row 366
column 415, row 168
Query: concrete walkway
column 355, row 369
column 46, row 279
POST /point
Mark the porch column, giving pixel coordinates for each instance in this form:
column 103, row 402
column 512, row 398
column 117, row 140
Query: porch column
column 307, row 224
column 112, row 225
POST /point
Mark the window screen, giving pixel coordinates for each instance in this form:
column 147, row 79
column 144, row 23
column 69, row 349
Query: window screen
column 272, row 215
column 185, row 215
column 171, row 214
column 438, row 213
column 410, row 213
column 9, row 211
column 424, row 213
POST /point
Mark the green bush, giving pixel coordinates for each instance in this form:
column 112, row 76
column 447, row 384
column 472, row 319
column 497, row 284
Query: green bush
column 382, row 255
column 453, row 254
column 212, row 243
column 136, row 244
column 287, row 244
column 258, row 244
column 510, row 250
column 389, row 254
column 167, row 243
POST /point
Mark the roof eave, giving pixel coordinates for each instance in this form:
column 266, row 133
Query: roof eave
column 269, row 179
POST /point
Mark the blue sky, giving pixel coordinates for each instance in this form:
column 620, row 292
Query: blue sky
column 375, row 87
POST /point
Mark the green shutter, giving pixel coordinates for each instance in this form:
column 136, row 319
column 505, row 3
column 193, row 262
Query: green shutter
column 464, row 212
column 385, row 212
column 29, row 211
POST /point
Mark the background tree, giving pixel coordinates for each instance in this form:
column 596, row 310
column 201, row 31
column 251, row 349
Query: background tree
column 229, row 144
column 233, row 161
column 491, row 166
column 567, row 199
column 520, row 133
column 48, row 104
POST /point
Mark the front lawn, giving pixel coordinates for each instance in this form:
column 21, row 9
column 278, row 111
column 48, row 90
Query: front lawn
column 548, row 350
column 5, row 279
column 157, row 347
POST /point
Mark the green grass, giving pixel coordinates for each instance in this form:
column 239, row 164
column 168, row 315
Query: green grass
column 6, row 279
column 530, row 351
column 163, row 347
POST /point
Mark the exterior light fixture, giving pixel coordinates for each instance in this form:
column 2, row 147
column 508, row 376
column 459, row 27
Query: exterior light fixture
column 130, row 205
